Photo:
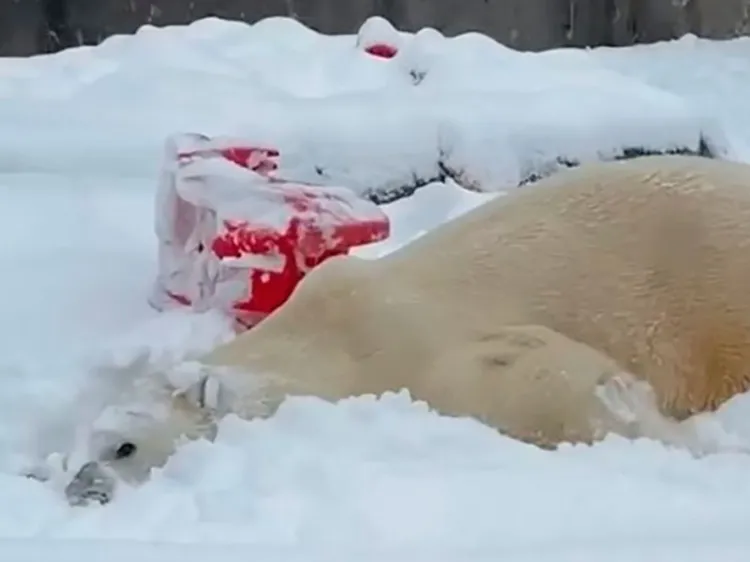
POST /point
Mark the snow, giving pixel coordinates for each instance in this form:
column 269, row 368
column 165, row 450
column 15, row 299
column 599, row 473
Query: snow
column 284, row 84
column 81, row 138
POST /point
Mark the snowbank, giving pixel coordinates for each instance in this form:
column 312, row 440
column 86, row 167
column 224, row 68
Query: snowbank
column 712, row 76
column 466, row 108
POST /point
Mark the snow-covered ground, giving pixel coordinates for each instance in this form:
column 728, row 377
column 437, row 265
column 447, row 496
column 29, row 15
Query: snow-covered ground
column 81, row 136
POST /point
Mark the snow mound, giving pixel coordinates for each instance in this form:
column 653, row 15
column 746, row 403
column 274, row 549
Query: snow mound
column 394, row 474
column 467, row 108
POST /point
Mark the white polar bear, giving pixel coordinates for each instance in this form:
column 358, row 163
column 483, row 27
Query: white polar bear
column 608, row 298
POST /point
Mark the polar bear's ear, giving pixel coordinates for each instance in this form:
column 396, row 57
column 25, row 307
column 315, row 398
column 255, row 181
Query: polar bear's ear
column 207, row 394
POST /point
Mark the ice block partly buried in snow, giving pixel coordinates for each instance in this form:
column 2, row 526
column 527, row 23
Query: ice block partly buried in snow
column 234, row 237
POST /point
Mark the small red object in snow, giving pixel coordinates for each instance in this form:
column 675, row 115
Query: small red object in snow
column 382, row 50
column 239, row 239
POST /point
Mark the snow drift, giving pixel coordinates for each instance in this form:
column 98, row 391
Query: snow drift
column 464, row 108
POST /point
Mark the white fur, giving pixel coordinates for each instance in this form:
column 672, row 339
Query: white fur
column 610, row 298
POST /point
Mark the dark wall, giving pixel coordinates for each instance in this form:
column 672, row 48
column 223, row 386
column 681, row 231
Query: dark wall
column 32, row 26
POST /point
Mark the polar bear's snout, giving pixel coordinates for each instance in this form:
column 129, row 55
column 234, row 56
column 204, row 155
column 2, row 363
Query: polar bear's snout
column 91, row 483
column 96, row 479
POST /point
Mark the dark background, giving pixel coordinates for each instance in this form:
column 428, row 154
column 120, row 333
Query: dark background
column 38, row 26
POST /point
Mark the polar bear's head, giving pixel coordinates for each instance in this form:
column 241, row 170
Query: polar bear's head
column 128, row 439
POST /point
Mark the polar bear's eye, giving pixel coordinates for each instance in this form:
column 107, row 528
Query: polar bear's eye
column 125, row 450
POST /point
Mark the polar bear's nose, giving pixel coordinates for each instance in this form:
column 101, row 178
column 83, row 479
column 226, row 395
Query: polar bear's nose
column 91, row 483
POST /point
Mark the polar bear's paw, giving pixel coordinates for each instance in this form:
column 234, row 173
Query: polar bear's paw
column 634, row 404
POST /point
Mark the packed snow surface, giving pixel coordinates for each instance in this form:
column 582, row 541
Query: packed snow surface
column 81, row 137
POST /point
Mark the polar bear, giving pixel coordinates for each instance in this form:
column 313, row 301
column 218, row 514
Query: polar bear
column 612, row 297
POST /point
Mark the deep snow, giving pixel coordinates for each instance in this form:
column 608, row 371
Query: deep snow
column 81, row 136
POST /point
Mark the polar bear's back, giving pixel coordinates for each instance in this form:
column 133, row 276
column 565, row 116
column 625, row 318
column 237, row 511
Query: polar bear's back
column 647, row 260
